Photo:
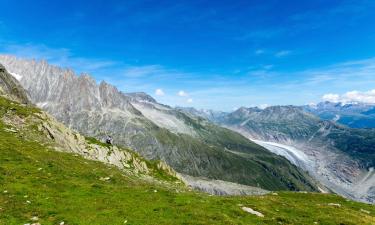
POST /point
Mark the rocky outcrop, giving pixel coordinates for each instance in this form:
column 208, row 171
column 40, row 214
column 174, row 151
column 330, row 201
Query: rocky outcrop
column 41, row 127
column 219, row 187
column 10, row 87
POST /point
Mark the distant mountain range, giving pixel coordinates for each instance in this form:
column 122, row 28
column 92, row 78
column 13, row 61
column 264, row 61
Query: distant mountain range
column 355, row 115
column 191, row 145
column 340, row 157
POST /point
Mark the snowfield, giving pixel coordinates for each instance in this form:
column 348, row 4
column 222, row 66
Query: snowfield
column 16, row 75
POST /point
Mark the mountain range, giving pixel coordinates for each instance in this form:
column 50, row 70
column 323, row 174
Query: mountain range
column 355, row 115
column 340, row 157
column 191, row 145
column 50, row 174
column 276, row 148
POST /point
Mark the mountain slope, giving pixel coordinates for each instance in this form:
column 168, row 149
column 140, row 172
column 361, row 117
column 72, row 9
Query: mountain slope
column 190, row 145
column 339, row 157
column 45, row 180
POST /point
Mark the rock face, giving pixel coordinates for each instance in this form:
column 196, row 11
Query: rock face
column 188, row 144
column 38, row 126
column 219, row 187
column 339, row 157
column 208, row 114
column 10, row 88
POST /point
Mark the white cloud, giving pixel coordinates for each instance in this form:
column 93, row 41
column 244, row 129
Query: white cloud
column 190, row 100
column 331, row 97
column 282, row 53
column 159, row 92
column 259, row 52
column 352, row 96
column 182, row 93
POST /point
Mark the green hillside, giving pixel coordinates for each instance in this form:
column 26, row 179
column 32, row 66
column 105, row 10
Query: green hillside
column 41, row 185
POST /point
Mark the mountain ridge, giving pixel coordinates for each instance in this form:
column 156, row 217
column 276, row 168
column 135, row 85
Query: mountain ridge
column 334, row 154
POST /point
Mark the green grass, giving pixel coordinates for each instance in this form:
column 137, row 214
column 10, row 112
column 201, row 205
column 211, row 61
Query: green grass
column 95, row 141
column 8, row 106
column 64, row 187
column 36, row 181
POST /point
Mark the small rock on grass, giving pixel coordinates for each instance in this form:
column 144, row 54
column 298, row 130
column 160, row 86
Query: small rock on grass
column 252, row 211
column 334, row 204
column 104, row 178
column 34, row 218
column 365, row 211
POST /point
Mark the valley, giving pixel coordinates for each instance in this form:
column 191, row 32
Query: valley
column 51, row 174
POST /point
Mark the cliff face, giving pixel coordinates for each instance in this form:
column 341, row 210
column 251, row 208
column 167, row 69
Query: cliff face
column 10, row 87
column 190, row 145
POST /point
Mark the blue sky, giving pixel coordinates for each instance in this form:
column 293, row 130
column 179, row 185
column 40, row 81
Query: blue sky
column 206, row 54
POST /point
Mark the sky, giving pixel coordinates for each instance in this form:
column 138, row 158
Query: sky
column 205, row 54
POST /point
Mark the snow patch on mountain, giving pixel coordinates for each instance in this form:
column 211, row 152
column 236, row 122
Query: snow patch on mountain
column 337, row 117
column 16, row 75
column 41, row 104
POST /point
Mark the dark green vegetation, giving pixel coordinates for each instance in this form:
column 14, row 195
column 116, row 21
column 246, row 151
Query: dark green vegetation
column 54, row 187
column 358, row 143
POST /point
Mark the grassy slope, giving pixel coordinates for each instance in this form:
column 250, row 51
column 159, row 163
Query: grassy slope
column 56, row 186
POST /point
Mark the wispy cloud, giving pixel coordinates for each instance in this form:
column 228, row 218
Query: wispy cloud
column 260, row 34
column 259, row 52
column 283, row 53
column 253, row 85
column 58, row 56
column 182, row 93
column 143, row 71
